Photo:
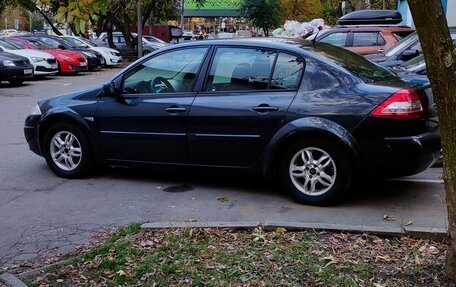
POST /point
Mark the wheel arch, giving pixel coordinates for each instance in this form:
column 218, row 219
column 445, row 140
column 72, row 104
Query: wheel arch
column 308, row 127
column 65, row 115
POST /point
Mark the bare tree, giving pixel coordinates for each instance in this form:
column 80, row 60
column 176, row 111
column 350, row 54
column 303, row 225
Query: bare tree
column 440, row 58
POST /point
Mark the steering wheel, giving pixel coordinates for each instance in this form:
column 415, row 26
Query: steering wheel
column 161, row 85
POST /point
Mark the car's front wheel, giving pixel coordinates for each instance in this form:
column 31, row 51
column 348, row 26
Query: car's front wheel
column 67, row 151
column 316, row 171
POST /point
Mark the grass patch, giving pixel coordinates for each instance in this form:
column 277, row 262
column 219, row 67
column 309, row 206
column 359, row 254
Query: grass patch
column 222, row 257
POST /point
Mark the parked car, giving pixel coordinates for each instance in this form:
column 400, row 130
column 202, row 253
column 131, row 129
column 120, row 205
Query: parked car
column 43, row 63
column 153, row 40
column 68, row 61
column 14, row 68
column 316, row 115
column 119, row 41
column 405, row 50
column 94, row 59
column 364, row 40
column 112, row 57
column 189, row 36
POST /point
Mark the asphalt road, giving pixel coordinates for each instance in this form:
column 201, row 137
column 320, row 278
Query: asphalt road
column 41, row 213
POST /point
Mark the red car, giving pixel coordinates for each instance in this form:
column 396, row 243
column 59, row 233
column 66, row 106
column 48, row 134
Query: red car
column 69, row 61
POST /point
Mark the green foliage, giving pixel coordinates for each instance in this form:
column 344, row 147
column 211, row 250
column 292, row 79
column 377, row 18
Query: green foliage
column 265, row 14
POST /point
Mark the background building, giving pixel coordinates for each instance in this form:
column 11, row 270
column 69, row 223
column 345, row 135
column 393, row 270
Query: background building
column 449, row 6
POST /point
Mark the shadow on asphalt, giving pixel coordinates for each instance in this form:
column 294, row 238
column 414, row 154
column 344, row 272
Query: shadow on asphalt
column 182, row 180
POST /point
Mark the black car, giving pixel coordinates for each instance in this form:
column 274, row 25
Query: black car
column 94, row 59
column 14, row 69
column 315, row 115
column 404, row 50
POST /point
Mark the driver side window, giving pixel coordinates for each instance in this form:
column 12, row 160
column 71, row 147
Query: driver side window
column 170, row 72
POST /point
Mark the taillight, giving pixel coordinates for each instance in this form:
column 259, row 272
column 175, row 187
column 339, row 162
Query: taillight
column 405, row 104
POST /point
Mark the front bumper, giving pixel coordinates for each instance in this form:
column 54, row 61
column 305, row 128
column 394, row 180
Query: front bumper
column 94, row 63
column 31, row 133
column 112, row 60
column 16, row 73
column 412, row 154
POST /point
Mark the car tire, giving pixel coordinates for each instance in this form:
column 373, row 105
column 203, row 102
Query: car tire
column 16, row 82
column 315, row 171
column 67, row 151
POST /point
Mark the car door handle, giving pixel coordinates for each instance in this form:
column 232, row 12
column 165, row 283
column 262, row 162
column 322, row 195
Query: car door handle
column 175, row 109
column 265, row 108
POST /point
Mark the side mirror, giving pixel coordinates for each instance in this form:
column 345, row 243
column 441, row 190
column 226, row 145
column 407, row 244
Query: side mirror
column 60, row 46
column 110, row 89
column 409, row 54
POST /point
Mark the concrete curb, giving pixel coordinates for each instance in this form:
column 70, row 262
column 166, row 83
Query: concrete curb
column 417, row 232
column 11, row 281
column 201, row 224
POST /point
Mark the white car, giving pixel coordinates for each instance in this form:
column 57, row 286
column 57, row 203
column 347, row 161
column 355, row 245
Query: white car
column 112, row 57
column 43, row 63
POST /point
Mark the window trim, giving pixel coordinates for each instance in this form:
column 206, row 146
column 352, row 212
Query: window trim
column 208, row 47
column 268, row 89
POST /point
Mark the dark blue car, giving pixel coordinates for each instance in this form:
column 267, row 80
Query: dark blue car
column 316, row 116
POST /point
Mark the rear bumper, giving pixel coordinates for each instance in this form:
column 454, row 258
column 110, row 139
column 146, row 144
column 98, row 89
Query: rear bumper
column 410, row 155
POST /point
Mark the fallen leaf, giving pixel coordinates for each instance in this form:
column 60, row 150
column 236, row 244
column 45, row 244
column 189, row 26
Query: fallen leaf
column 205, row 255
column 329, row 258
column 410, row 222
column 388, row 217
column 59, row 280
column 191, row 220
column 433, row 250
column 147, row 243
column 385, row 258
column 281, row 230
column 121, row 273
column 222, row 199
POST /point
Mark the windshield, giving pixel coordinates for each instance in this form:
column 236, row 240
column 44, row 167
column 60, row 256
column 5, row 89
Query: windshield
column 153, row 39
column 8, row 45
column 87, row 42
column 39, row 44
column 401, row 44
column 75, row 42
column 354, row 63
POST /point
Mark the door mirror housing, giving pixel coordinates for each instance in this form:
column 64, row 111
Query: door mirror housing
column 60, row 46
column 110, row 89
column 409, row 54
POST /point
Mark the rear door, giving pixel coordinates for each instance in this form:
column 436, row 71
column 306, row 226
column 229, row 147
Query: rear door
column 366, row 42
column 244, row 100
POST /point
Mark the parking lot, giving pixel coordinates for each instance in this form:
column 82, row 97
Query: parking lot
column 41, row 213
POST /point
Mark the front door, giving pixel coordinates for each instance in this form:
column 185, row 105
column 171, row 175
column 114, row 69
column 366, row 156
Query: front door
column 241, row 107
column 148, row 123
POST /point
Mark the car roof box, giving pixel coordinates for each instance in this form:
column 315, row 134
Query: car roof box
column 371, row 17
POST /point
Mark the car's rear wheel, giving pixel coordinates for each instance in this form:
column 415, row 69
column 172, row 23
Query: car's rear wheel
column 316, row 171
column 67, row 151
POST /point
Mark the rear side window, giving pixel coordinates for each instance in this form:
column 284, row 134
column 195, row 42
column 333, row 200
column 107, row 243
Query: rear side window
column 50, row 41
column 401, row 35
column 318, row 78
column 363, row 39
column 240, row 69
column 287, row 72
column 336, row 39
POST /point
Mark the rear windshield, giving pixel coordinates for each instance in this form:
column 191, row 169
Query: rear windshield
column 401, row 44
column 354, row 63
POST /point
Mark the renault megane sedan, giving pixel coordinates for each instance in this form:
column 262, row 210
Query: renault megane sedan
column 316, row 116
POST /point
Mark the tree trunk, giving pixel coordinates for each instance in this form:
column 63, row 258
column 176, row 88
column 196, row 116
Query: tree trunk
column 54, row 29
column 109, row 34
column 440, row 59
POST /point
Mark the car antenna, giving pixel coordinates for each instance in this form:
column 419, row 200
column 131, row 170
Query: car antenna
column 315, row 38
